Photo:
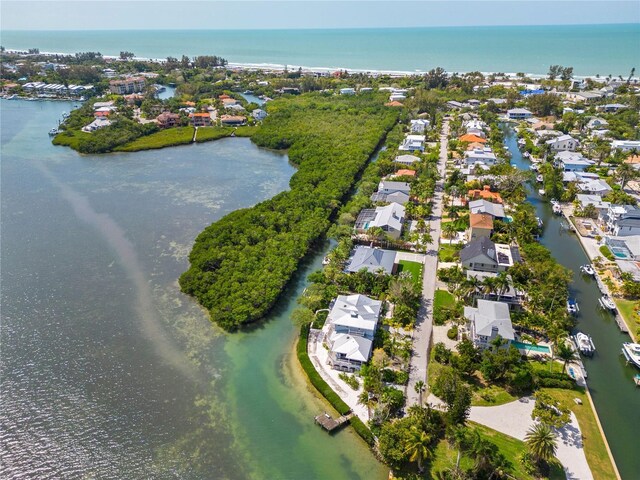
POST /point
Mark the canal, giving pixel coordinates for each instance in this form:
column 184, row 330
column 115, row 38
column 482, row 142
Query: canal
column 610, row 379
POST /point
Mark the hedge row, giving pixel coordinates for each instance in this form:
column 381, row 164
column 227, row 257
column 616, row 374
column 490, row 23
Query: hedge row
column 332, row 397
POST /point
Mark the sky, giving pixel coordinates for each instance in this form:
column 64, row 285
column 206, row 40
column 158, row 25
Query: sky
column 244, row 14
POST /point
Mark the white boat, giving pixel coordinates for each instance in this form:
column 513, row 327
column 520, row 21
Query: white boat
column 540, row 222
column 539, row 178
column 534, row 167
column 631, row 352
column 572, row 306
column 541, row 192
column 53, row 132
column 607, row 303
column 556, row 208
column 588, row 270
column 526, row 155
column 326, row 261
column 585, row 344
column 522, row 141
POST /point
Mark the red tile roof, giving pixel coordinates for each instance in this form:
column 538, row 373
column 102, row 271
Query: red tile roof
column 469, row 137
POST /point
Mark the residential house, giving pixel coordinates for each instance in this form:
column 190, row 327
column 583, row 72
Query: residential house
column 389, row 218
column 563, row 142
column 397, row 97
column 601, row 206
column 228, row 102
column 406, row 159
column 259, row 114
column 97, row 124
column 232, row 120
column 472, row 138
column 403, row 172
column 395, row 103
column 485, row 194
column 419, row 126
column 509, row 295
column 483, row 156
column 413, row 143
column 586, row 97
column 626, row 145
column 623, row 220
column 624, row 248
column 454, row 105
column 572, row 161
column 596, row 123
column 485, row 256
column 496, row 210
column 518, row 113
column 613, row 107
column 200, row 119
column 594, row 187
column 391, row 192
column 480, row 225
column 489, row 321
column 372, row 259
column 127, row 85
column 168, row 119
column 350, row 329
column 347, row 91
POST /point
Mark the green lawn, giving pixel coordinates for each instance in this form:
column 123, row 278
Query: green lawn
column 442, row 298
column 594, row 447
column 164, row 138
column 449, row 253
column 70, row 138
column 414, row 268
column 629, row 311
column 490, row 396
column 606, row 253
column 206, row 134
column 246, row 131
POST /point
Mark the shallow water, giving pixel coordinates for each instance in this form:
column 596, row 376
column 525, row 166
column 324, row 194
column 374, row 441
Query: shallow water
column 107, row 370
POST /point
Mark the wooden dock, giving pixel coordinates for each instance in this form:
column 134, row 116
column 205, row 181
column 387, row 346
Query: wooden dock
column 329, row 424
column 621, row 325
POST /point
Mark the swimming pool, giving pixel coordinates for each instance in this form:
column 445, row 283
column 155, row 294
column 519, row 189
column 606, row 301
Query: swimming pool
column 530, row 347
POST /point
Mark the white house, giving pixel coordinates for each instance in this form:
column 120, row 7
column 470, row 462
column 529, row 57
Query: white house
column 594, row 187
column 601, row 206
column 563, row 142
column 97, row 124
column 406, row 159
column 519, row 113
column 259, row 114
column 483, row 206
column 397, row 97
column 390, row 219
column 485, row 256
column 419, row 125
column 572, row 162
column 626, row 145
column 480, row 155
column 623, row 220
column 349, row 331
column 347, row 91
column 392, row 192
column 597, row 123
column 371, row 259
column 488, row 321
column 413, row 143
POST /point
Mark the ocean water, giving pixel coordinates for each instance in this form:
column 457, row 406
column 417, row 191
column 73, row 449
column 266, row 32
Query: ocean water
column 590, row 49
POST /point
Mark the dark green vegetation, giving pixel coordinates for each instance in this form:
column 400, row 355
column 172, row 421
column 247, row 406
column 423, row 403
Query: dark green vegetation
column 240, row 264
column 164, row 138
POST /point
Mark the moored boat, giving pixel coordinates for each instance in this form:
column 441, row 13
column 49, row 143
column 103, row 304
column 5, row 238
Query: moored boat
column 53, row 132
column 588, row 270
column 541, row 192
column 584, row 343
column 539, row 178
column 572, row 306
column 606, row 303
column 631, row 352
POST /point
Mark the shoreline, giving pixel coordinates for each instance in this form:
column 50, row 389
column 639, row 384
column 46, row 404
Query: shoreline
column 278, row 67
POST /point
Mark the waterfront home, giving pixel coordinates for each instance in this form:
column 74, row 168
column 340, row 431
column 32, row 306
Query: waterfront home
column 518, row 113
column 374, row 260
column 579, row 177
column 485, row 194
column 366, row 90
column 475, row 127
column 419, row 126
column 389, row 218
column 454, row 105
column 228, row 102
column 623, row 220
column 485, row 256
column 413, row 143
column 624, row 248
column 389, row 191
column 489, row 321
column 480, row 225
column 626, row 145
column 594, row 187
column 572, row 161
column 232, row 120
column 472, row 138
column 612, row 107
column 97, row 124
column 237, row 108
column 483, row 156
column 127, row 85
column 347, row 91
column 507, row 294
column 498, row 101
column 406, row 159
column 259, row 114
column 200, row 119
column 168, row 119
column 350, row 329
column 596, row 200
column 563, row 142
column 496, row 210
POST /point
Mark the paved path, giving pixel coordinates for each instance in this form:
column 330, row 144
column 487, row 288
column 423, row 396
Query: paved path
column 424, row 322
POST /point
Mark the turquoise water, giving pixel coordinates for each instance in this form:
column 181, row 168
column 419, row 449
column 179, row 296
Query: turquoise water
column 588, row 48
column 530, row 347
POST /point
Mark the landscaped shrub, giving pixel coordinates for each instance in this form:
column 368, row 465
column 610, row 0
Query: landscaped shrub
column 452, row 333
column 441, row 353
column 604, row 250
column 349, row 380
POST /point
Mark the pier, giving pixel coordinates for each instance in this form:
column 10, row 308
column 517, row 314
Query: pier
column 621, row 324
column 329, row 424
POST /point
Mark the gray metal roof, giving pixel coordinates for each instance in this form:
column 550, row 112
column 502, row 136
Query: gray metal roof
column 481, row 246
column 372, row 259
column 490, row 315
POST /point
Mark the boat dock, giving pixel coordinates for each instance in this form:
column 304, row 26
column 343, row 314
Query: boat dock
column 621, row 324
column 329, row 424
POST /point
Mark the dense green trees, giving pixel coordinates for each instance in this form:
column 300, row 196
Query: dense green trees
column 240, row 264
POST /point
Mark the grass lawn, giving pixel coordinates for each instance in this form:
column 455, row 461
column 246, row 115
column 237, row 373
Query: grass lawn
column 164, row 138
column 206, row 134
column 246, row 131
column 414, row 268
column 70, row 138
column 629, row 311
column 442, row 298
column 606, row 253
column 594, row 447
column 490, row 396
column 448, row 253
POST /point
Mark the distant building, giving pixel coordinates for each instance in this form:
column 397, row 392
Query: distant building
column 413, row 143
column 347, row 91
column 419, row 126
column 200, row 119
column 519, row 113
column 233, row 120
column 406, row 159
column 626, row 145
column 496, row 210
column 168, row 119
column 259, row 114
column 127, row 85
column 563, row 143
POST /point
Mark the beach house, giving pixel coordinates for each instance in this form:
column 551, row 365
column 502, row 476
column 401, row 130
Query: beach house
column 496, row 210
column 518, row 113
column 563, row 143
column 419, row 126
column 200, row 119
column 413, row 143
column 489, row 321
column 623, row 220
column 626, row 145
column 389, row 218
column 350, row 329
column 594, row 186
column 485, row 194
column 482, row 156
column 374, row 260
column 406, row 159
column 127, row 85
column 168, row 119
column 572, row 161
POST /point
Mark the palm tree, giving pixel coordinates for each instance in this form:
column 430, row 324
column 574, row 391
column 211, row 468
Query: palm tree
column 471, row 286
column 541, row 442
column 489, row 286
column 565, row 353
column 626, row 172
column 502, row 284
column 449, row 230
column 419, row 387
column 365, row 398
column 418, row 447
